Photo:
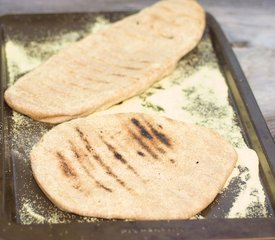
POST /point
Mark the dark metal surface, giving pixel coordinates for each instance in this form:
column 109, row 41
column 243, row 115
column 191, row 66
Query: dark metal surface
column 14, row 172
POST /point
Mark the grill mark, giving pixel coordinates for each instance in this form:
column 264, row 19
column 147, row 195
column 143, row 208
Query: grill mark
column 88, row 77
column 144, row 61
column 172, row 160
column 119, row 156
column 161, row 150
column 107, row 169
column 74, row 150
column 119, row 64
column 96, row 80
column 167, row 37
column 159, row 135
column 139, row 61
column 131, row 68
column 77, row 186
column 84, row 139
column 114, row 74
column 78, row 155
column 71, row 82
column 54, row 89
column 95, row 69
column 80, row 160
column 142, row 129
column 140, row 153
column 144, row 132
column 142, row 144
column 65, row 166
column 70, row 173
column 118, row 74
column 101, row 185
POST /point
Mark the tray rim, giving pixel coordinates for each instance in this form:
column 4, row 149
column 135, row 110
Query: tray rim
column 206, row 228
column 249, row 112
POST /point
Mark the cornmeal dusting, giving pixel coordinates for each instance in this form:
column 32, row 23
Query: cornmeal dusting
column 195, row 92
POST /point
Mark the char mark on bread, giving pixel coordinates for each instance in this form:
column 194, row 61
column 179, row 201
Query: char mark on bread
column 144, row 146
column 86, row 165
column 142, row 129
column 119, row 156
column 65, row 166
column 108, row 170
column 92, row 154
column 159, row 135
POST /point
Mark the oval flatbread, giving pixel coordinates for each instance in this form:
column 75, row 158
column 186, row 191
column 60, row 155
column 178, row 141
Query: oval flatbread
column 132, row 166
column 116, row 63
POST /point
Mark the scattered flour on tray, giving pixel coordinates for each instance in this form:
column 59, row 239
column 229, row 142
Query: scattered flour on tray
column 195, row 92
column 21, row 58
column 250, row 192
column 29, row 214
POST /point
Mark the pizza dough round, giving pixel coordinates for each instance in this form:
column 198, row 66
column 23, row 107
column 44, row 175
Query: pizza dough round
column 132, row 166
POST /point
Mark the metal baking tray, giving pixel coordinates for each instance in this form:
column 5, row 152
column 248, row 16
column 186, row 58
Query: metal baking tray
column 15, row 173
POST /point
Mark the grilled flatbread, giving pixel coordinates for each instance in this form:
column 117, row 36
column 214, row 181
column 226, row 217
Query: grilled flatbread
column 107, row 67
column 132, row 166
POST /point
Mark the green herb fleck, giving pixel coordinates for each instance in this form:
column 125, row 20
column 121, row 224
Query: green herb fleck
column 152, row 106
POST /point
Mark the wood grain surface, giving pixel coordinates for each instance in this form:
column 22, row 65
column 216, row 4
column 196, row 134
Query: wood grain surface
column 248, row 24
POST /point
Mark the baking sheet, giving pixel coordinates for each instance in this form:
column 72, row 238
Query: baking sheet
column 22, row 132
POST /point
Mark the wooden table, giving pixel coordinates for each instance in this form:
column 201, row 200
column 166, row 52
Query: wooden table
column 248, row 24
